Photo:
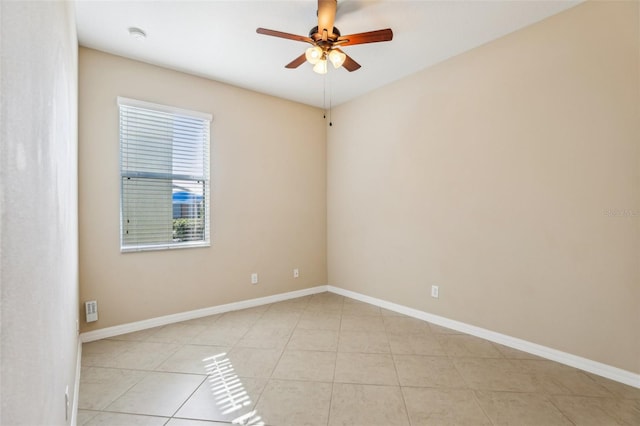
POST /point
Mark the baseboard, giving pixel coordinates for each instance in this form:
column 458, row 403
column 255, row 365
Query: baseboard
column 76, row 386
column 117, row 330
column 598, row 368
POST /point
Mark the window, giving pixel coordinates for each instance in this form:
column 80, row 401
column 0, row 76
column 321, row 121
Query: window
column 164, row 177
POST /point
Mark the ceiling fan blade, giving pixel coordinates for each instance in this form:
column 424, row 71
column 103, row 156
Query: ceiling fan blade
column 280, row 34
column 326, row 15
column 296, row 62
column 368, row 37
column 349, row 64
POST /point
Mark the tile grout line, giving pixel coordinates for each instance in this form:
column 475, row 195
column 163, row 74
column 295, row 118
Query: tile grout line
column 279, row 358
column 395, row 367
column 333, row 382
column 189, row 397
column 146, row 373
column 467, row 385
column 477, row 401
column 549, row 399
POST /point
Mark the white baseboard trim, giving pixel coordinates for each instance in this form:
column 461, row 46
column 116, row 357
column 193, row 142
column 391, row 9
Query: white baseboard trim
column 598, row 368
column 117, row 330
column 76, row 386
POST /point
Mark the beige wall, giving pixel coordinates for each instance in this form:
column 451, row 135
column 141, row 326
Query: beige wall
column 268, row 193
column 38, row 212
column 495, row 176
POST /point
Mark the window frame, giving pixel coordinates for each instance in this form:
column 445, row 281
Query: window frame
column 206, row 118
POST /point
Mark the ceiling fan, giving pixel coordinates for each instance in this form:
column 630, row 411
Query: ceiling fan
column 326, row 41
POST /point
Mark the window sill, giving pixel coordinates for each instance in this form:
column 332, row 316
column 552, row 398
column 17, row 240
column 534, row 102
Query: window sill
column 161, row 247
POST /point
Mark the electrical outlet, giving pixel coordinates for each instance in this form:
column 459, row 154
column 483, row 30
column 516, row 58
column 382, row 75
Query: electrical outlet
column 254, row 278
column 435, row 291
column 296, row 273
column 91, row 310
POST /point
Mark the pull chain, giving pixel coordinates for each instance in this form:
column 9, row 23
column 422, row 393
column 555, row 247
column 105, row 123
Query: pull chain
column 324, row 96
column 330, row 96
column 324, row 99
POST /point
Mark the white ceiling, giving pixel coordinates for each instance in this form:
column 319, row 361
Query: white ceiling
column 217, row 39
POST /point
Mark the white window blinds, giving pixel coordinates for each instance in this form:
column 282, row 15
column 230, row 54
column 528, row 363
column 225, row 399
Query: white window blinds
column 164, row 174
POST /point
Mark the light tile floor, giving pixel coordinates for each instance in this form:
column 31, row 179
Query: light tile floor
column 329, row 360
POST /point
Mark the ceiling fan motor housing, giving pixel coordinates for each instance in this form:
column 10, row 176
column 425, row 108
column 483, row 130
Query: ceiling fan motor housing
column 314, row 34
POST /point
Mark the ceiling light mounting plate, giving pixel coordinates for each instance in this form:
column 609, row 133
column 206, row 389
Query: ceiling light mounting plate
column 137, row 33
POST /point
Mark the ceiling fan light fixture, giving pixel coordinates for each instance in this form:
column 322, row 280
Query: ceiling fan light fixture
column 313, row 54
column 321, row 67
column 337, row 58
